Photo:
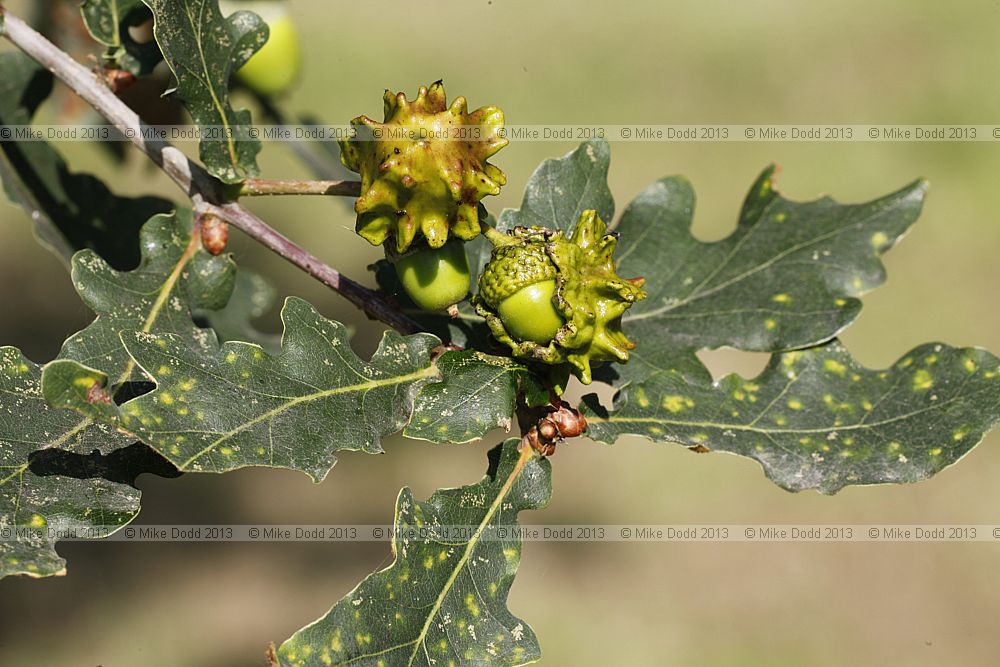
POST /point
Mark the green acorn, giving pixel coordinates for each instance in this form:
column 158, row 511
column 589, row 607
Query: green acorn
column 434, row 278
column 416, row 176
column 558, row 300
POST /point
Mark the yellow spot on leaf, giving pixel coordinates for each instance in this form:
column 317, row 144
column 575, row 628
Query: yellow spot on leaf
column 781, row 298
column 922, row 380
column 790, row 358
column 640, row 395
column 676, row 403
column 879, row 239
column 85, row 382
column 795, row 404
column 835, row 367
column 471, row 605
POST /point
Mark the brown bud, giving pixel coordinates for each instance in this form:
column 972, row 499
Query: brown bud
column 119, row 80
column 548, row 430
column 569, row 421
column 214, row 233
column 536, row 442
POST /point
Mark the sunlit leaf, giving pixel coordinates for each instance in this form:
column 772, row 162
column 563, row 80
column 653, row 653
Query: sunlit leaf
column 442, row 601
column 788, row 277
column 220, row 408
column 203, row 49
column 561, row 189
column 478, row 394
column 816, row 419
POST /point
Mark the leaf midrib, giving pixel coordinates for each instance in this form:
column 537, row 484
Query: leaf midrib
column 429, row 372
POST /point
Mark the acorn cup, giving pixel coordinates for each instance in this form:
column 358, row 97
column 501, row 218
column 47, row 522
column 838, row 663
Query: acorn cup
column 559, row 300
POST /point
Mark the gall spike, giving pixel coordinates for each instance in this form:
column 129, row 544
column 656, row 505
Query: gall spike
column 423, row 169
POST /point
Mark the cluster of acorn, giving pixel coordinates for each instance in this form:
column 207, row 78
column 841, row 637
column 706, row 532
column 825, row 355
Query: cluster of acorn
column 549, row 297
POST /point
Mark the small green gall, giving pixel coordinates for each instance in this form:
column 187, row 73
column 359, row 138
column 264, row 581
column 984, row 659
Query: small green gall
column 559, row 300
column 423, row 169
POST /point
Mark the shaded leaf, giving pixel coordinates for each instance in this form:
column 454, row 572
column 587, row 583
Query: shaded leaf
column 788, row 277
column 175, row 275
column 32, row 503
column 216, row 408
column 70, row 211
column 441, row 601
column 107, row 22
column 817, row 419
column 252, row 297
column 203, row 48
column 477, row 394
column 103, row 19
column 561, row 189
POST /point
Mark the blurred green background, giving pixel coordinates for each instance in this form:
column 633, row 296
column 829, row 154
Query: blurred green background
column 694, row 605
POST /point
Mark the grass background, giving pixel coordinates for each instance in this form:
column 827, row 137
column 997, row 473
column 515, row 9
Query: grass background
column 692, row 605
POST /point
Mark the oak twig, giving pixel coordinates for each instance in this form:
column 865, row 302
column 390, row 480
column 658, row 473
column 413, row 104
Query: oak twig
column 259, row 187
column 207, row 194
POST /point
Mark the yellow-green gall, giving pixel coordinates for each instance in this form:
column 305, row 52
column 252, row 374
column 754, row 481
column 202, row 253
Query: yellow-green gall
column 423, row 169
column 559, row 300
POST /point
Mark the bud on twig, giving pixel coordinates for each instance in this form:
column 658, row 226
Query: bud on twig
column 560, row 422
column 214, row 233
